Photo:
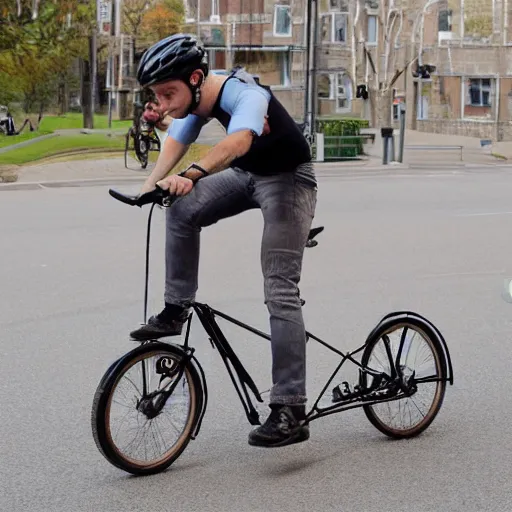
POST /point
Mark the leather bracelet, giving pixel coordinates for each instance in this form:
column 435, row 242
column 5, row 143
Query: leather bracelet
column 198, row 168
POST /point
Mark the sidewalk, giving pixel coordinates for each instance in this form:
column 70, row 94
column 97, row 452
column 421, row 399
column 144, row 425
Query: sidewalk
column 105, row 169
column 472, row 152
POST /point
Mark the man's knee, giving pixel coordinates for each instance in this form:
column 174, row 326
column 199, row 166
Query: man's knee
column 183, row 212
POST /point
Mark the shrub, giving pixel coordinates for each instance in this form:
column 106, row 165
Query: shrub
column 337, row 128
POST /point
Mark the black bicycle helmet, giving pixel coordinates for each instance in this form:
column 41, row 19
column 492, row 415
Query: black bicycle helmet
column 174, row 58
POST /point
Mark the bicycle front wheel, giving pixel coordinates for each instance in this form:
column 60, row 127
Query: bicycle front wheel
column 412, row 351
column 146, row 407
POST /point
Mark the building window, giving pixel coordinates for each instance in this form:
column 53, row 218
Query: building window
column 478, row 97
column 343, row 93
column 190, row 11
column 339, row 25
column 479, row 92
column 325, row 87
column 338, row 5
column 445, row 20
column 371, row 37
column 334, row 27
column 284, row 66
column 422, row 108
column 272, row 68
column 282, row 21
column 424, row 91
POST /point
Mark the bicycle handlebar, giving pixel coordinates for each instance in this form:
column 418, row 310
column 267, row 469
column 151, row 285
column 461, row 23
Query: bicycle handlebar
column 164, row 198
column 158, row 196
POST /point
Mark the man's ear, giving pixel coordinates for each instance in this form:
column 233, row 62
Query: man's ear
column 197, row 78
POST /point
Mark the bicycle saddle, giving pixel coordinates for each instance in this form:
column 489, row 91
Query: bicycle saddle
column 312, row 234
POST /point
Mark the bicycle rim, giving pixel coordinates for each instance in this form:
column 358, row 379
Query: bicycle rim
column 421, row 358
column 139, row 443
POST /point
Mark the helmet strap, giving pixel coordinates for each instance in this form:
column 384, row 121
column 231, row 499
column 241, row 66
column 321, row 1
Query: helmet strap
column 196, row 94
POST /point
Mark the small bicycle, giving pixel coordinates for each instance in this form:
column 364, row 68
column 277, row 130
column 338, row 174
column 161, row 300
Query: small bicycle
column 151, row 402
column 140, row 138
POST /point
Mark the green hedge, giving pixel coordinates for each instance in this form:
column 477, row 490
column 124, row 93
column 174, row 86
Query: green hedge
column 338, row 127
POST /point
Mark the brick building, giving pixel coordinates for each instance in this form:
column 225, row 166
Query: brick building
column 470, row 44
column 381, row 43
column 265, row 36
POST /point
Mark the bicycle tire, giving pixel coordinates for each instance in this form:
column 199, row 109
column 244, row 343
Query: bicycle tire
column 142, row 150
column 129, row 134
column 430, row 337
column 104, row 396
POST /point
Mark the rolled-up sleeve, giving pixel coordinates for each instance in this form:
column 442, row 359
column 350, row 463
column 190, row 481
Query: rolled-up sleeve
column 249, row 111
column 186, row 130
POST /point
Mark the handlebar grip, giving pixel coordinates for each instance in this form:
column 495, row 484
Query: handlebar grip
column 131, row 200
column 158, row 195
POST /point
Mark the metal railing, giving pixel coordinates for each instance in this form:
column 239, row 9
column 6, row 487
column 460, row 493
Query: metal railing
column 340, row 147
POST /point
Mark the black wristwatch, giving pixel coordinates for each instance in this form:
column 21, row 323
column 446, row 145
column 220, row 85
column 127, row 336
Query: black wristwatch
column 198, row 168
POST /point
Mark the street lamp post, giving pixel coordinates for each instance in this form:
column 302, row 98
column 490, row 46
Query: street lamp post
column 311, row 45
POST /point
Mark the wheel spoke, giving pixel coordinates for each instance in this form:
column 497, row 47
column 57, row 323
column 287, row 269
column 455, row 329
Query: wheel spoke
column 137, row 434
column 410, row 349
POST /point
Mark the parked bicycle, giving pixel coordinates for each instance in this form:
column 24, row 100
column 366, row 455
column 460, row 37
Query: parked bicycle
column 141, row 139
column 151, row 401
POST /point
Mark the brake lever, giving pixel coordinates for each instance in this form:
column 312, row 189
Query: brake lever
column 158, row 196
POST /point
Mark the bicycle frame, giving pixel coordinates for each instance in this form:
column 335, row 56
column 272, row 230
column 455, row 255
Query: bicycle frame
column 244, row 382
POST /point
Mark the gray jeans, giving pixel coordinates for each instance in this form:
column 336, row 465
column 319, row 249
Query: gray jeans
column 288, row 208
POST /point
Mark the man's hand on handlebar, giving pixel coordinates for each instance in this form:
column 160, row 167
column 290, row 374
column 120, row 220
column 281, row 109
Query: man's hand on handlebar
column 176, row 185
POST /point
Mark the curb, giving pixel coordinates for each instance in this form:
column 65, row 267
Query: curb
column 340, row 171
column 35, row 185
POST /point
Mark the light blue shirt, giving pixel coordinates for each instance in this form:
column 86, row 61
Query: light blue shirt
column 246, row 104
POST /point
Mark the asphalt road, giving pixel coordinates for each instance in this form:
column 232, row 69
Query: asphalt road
column 71, row 274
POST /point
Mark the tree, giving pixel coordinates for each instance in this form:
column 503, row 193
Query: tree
column 54, row 23
column 163, row 19
column 147, row 21
column 39, row 39
column 133, row 14
column 382, row 67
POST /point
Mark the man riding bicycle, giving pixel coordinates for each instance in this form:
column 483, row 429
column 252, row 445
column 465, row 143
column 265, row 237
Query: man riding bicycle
column 154, row 116
column 264, row 162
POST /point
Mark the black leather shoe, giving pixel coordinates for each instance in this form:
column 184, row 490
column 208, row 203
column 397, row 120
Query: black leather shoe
column 158, row 327
column 284, row 426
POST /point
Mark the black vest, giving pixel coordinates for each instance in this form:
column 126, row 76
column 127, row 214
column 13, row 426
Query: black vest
column 282, row 150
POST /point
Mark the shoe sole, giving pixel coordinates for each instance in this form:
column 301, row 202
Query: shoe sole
column 298, row 437
column 154, row 337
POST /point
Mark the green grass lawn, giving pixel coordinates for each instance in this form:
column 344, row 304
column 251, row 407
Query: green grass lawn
column 76, row 121
column 14, row 139
column 54, row 146
column 70, row 121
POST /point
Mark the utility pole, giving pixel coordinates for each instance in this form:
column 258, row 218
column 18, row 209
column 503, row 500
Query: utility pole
column 307, row 66
column 94, row 69
column 311, row 46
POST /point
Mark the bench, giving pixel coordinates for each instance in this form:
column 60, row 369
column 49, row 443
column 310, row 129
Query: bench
column 436, row 148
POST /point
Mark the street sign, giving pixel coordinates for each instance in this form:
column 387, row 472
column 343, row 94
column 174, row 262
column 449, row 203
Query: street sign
column 105, row 17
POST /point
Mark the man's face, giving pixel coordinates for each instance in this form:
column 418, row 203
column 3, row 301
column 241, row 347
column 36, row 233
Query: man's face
column 173, row 97
column 151, row 113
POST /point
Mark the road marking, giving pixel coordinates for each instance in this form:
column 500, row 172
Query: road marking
column 482, row 214
column 456, row 274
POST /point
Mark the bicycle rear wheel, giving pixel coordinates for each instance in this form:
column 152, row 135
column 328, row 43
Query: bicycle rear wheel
column 142, row 149
column 421, row 366
column 146, row 408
